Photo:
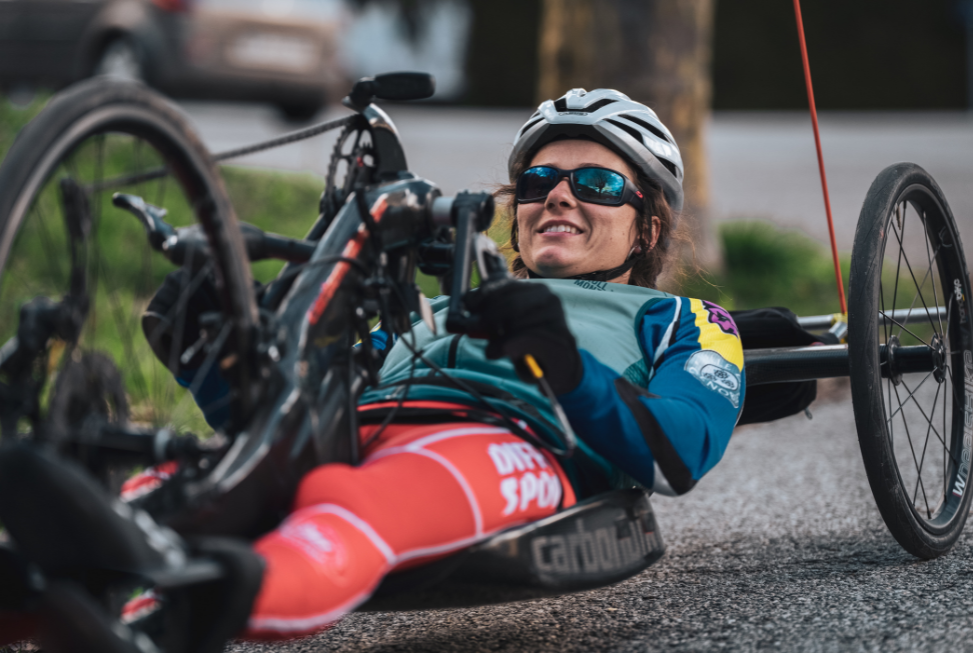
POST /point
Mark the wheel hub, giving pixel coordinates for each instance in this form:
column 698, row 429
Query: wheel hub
column 891, row 347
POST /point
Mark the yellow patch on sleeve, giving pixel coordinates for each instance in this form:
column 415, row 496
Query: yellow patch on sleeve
column 714, row 332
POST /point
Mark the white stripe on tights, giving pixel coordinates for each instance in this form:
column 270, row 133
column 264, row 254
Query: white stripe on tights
column 470, row 497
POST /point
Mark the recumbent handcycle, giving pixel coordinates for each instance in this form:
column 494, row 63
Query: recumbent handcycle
column 78, row 384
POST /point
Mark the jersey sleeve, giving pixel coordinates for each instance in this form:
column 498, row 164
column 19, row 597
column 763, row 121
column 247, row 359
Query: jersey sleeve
column 669, row 436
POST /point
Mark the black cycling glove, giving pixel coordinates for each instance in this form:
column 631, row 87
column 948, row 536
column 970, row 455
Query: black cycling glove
column 172, row 318
column 521, row 318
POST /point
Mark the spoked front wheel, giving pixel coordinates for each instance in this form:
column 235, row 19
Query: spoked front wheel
column 910, row 334
column 105, row 136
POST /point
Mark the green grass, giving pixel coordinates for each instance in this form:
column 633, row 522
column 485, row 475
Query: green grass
column 767, row 266
column 14, row 117
column 280, row 202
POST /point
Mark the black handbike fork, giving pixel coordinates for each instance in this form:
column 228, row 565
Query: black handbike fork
column 42, row 319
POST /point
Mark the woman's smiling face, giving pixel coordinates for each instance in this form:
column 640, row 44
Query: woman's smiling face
column 563, row 236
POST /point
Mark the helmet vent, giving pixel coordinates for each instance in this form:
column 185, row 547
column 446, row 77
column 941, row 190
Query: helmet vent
column 560, row 105
column 641, row 123
column 637, row 136
column 669, row 166
column 632, row 131
column 526, row 128
column 594, row 106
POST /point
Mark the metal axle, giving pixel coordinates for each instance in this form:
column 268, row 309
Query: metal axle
column 787, row 364
column 900, row 315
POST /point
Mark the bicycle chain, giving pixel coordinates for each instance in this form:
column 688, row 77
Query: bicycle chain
column 286, row 139
column 334, row 197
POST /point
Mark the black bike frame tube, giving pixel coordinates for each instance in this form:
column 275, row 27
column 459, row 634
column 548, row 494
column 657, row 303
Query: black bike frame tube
column 305, row 422
column 900, row 315
column 790, row 364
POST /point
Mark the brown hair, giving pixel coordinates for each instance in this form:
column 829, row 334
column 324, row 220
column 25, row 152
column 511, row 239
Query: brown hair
column 651, row 262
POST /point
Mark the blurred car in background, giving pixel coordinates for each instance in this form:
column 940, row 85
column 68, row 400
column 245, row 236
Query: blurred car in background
column 280, row 51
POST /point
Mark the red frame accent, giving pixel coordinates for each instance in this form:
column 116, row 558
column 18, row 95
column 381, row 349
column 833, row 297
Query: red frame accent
column 817, row 144
column 351, row 250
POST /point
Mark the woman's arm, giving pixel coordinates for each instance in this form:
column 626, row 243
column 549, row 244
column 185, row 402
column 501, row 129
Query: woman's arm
column 672, row 434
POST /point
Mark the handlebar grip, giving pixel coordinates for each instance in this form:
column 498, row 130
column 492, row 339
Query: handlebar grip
column 442, row 212
column 457, row 319
column 472, row 213
column 150, row 216
column 261, row 245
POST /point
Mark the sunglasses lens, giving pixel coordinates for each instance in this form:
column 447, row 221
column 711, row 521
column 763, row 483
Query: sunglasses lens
column 536, row 183
column 599, row 185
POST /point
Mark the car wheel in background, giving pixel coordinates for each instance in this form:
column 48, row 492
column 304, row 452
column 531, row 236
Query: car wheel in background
column 299, row 112
column 122, row 59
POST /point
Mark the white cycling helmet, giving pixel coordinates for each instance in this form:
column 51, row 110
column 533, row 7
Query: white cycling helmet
column 611, row 118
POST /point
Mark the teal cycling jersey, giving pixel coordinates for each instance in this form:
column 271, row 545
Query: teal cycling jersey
column 662, row 389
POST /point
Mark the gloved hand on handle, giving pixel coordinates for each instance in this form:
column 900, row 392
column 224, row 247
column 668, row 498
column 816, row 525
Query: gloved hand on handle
column 520, row 318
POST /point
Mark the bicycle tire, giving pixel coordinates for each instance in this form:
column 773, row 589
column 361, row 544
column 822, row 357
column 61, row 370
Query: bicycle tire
column 923, row 518
column 103, row 109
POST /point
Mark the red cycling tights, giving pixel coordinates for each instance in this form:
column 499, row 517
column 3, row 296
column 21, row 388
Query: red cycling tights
column 422, row 492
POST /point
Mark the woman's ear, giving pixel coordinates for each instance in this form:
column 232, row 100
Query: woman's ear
column 656, row 227
column 515, row 232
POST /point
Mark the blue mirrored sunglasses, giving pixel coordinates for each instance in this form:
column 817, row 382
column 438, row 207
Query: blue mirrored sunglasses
column 593, row 185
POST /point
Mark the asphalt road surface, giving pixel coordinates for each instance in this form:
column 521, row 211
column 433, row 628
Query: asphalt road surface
column 762, row 165
column 780, row 547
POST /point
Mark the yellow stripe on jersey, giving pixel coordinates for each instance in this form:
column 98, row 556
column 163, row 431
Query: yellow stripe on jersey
column 714, row 338
column 377, row 327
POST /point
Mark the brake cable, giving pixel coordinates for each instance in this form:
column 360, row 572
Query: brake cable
column 508, row 421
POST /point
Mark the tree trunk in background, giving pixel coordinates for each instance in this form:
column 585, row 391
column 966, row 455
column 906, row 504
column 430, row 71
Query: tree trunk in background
column 655, row 51
column 501, row 58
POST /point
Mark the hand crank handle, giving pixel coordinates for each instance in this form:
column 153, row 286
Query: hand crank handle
column 471, row 214
column 150, row 216
column 176, row 244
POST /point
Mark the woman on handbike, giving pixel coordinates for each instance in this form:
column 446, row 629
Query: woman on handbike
column 651, row 383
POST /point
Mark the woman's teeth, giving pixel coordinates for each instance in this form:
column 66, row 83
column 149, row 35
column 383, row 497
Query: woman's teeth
column 560, row 228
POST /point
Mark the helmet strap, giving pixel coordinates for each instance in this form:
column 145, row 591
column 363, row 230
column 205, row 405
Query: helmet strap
column 600, row 275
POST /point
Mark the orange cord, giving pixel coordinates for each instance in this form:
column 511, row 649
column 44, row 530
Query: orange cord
column 817, row 143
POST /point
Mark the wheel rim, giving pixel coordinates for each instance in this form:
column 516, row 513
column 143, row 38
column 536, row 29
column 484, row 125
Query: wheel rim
column 925, row 413
column 122, row 271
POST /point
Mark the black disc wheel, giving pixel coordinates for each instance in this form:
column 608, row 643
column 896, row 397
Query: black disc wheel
column 105, row 136
column 910, row 335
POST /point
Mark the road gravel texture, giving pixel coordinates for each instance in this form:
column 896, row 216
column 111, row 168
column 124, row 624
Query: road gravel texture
column 778, row 548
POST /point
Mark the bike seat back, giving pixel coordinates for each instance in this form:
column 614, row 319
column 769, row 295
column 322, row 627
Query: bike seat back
column 600, row 541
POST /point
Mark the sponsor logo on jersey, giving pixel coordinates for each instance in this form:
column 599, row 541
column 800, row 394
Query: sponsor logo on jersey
column 721, row 318
column 590, row 551
column 717, row 331
column 592, row 285
column 716, row 373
